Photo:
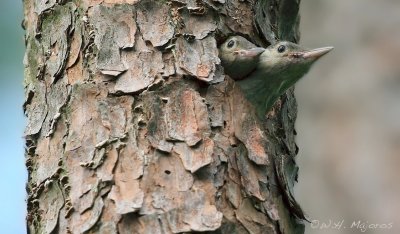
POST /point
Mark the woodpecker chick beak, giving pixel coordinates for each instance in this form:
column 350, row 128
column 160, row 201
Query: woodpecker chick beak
column 316, row 53
column 252, row 53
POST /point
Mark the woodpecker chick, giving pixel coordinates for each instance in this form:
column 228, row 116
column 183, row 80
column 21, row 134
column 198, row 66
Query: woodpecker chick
column 278, row 68
column 239, row 57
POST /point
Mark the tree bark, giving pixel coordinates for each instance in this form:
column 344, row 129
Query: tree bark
column 134, row 128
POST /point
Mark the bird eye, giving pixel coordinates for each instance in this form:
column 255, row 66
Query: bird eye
column 281, row 48
column 231, row 43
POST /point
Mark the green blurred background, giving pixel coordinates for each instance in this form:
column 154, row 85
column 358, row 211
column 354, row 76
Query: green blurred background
column 12, row 166
column 348, row 122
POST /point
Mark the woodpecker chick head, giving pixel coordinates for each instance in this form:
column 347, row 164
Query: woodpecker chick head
column 279, row 67
column 239, row 57
column 289, row 59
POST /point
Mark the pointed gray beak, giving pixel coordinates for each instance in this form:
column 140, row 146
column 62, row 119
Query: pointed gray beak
column 316, row 53
column 253, row 52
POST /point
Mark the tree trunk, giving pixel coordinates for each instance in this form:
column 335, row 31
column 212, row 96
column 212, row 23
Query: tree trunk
column 134, row 128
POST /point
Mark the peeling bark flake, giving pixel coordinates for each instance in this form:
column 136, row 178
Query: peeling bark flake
column 154, row 19
column 187, row 117
column 55, row 40
column 126, row 192
column 127, row 196
column 91, row 216
column 216, row 99
column 195, row 215
column 248, row 129
column 36, row 110
column 233, row 193
column 253, row 220
column 156, row 128
column 241, row 16
column 41, row 6
column 49, row 153
column 56, row 99
column 76, row 45
column 199, row 26
column 249, row 176
column 198, row 58
column 196, row 157
column 116, row 29
column 163, row 181
column 50, row 203
column 144, row 65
